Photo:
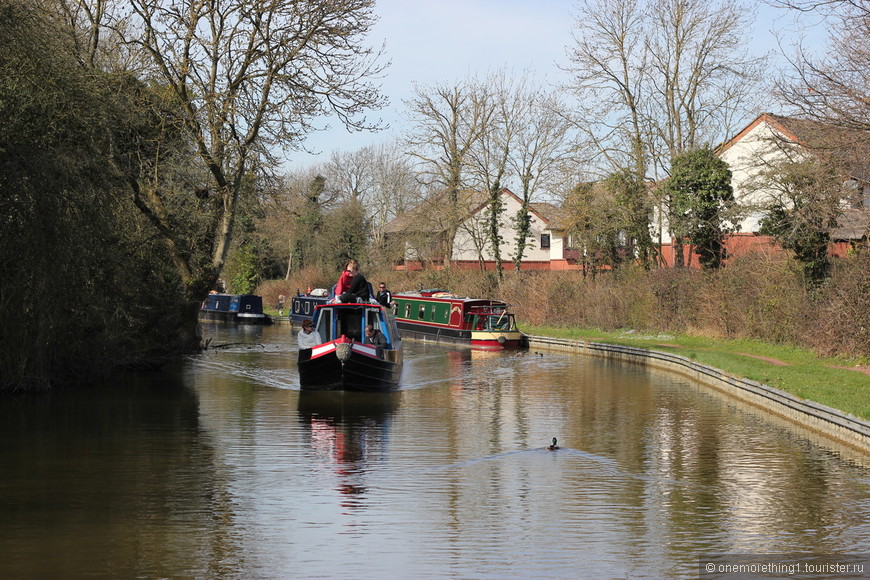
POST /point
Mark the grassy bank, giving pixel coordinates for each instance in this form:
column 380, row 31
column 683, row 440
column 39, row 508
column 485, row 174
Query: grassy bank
column 795, row 370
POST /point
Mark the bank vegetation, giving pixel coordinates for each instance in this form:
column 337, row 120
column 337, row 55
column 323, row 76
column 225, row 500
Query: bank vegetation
column 762, row 298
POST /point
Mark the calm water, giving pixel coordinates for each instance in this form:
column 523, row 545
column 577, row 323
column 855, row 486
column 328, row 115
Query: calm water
column 221, row 468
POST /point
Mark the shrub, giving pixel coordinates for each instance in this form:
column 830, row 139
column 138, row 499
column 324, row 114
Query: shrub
column 757, row 297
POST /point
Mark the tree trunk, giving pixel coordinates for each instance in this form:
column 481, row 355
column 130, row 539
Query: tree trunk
column 679, row 260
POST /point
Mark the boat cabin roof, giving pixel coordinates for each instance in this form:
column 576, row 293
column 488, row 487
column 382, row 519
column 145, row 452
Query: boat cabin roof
column 449, row 297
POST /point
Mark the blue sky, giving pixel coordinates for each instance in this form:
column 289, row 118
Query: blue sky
column 444, row 41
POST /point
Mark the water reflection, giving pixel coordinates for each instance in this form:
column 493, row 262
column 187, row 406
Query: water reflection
column 349, row 431
column 110, row 481
column 224, row 469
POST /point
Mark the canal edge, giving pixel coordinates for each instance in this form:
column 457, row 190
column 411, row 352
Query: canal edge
column 834, row 425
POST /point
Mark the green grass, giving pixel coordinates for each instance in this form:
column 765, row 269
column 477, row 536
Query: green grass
column 805, row 374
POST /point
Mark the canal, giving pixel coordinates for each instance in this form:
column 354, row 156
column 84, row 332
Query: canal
column 221, row 468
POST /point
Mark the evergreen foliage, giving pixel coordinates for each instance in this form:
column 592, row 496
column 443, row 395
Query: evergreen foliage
column 85, row 289
column 522, row 223
column 701, row 201
column 494, row 211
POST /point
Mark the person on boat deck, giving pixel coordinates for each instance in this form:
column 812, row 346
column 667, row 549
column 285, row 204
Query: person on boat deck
column 384, row 296
column 344, row 280
column 307, row 338
column 357, row 290
column 375, row 337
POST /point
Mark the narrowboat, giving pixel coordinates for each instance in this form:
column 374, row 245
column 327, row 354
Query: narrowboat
column 234, row 308
column 441, row 316
column 302, row 305
column 342, row 361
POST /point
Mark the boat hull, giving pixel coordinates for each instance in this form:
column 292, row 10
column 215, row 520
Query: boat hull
column 349, row 366
column 509, row 340
column 234, row 309
column 440, row 316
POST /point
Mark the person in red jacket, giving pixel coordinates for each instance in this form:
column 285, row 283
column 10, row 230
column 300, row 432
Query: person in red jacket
column 357, row 290
column 346, row 277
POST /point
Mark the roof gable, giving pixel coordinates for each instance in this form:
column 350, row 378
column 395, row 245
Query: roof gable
column 848, row 148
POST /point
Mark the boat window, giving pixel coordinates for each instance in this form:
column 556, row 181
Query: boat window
column 408, row 310
column 324, row 325
column 422, row 313
column 499, row 322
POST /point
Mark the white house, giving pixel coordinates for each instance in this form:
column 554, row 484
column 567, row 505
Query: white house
column 542, row 245
column 424, row 228
column 760, row 148
column 772, row 139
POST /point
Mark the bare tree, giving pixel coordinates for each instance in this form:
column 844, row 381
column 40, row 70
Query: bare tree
column 609, row 65
column 394, row 190
column 538, row 150
column 703, row 81
column 243, row 77
column 380, row 177
column 657, row 78
column 832, row 87
column 489, row 162
column 347, row 173
column 446, row 123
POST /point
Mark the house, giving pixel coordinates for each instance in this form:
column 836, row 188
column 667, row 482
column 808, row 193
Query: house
column 753, row 153
column 756, row 152
column 771, row 139
column 425, row 228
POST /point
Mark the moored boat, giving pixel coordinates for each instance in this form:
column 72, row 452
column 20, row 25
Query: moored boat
column 302, row 305
column 441, row 316
column 234, row 308
column 342, row 361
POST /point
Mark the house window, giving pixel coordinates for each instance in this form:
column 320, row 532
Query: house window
column 545, row 241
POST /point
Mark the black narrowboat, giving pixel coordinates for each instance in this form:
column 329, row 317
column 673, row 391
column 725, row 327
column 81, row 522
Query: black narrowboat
column 234, row 308
column 342, row 360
